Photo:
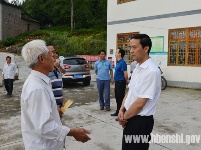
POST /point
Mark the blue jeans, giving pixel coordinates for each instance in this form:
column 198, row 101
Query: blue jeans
column 103, row 87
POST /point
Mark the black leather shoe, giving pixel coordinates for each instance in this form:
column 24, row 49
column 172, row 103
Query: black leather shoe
column 115, row 114
column 107, row 108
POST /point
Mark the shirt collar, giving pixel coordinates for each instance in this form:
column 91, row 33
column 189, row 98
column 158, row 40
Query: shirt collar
column 145, row 64
column 119, row 60
column 41, row 76
column 9, row 64
column 102, row 61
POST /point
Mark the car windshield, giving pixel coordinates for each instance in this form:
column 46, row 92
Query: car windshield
column 75, row 61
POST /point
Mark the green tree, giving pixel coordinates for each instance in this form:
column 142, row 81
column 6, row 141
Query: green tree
column 86, row 13
column 7, row 1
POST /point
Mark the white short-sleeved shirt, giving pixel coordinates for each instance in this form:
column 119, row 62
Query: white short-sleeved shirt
column 40, row 122
column 145, row 83
column 9, row 70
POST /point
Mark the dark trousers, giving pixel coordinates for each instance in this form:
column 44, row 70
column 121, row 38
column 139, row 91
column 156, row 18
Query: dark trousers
column 9, row 86
column 120, row 87
column 138, row 125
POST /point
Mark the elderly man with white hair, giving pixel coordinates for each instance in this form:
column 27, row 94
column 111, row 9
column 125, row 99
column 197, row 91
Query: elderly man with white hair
column 40, row 122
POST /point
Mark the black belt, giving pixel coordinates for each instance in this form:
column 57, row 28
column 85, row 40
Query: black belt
column 143, row 116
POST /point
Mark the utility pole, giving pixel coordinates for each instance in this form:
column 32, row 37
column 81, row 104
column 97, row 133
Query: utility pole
column 72, row 16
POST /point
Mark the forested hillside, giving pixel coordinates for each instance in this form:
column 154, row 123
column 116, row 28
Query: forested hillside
column 73, row 26
column 79, row 13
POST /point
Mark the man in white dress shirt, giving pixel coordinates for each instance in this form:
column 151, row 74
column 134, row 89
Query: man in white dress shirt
column 139, row 104
column 8, row 74
column 40, row 122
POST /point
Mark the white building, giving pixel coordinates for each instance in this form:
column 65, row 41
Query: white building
column 174, row 27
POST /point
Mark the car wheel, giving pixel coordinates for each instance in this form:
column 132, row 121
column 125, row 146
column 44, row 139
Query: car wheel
column 87, row 82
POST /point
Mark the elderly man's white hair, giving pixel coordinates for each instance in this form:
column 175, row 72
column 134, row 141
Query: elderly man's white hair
column 32, row 50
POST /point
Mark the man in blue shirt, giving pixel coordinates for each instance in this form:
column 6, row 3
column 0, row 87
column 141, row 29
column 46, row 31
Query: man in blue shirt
column 102, row 69
column 120, row 79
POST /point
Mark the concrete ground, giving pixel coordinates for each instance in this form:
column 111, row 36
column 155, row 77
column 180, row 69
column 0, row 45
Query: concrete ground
column 178, row 112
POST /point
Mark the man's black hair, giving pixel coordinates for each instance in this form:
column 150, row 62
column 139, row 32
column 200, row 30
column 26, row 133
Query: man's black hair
column 144, row 40
column 8, row 57
column 122, row 52
column 101, row 51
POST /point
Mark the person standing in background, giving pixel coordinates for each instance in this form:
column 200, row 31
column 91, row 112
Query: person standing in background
column 120, row 79
column 103, row 79
column 56, row 81
column 8, row 75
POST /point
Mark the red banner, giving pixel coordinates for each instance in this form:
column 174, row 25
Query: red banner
column 90, row 58
column 94, row 58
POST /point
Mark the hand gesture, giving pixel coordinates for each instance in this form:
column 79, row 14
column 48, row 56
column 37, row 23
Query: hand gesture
column 80, row 134
column 59, row 111
column 63, row 101
column 122, row 120
column 112, row 81
column 57, row 64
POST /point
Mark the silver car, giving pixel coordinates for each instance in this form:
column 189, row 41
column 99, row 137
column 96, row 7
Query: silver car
column 77, row 70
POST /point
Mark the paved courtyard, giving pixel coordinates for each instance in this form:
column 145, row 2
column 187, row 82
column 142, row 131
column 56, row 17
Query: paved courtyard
column 178, row 113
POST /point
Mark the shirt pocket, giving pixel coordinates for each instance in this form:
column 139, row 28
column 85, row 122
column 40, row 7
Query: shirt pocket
column 106, row 66
column 136, row 88
column 99, row 66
